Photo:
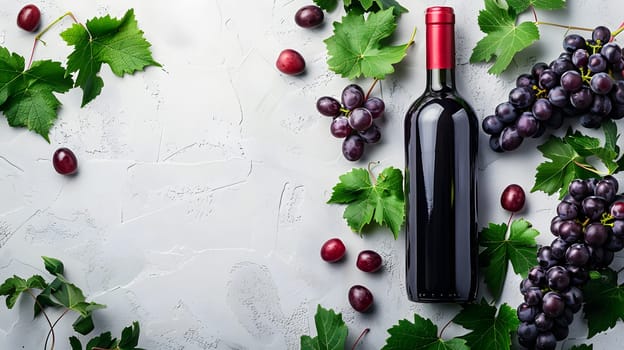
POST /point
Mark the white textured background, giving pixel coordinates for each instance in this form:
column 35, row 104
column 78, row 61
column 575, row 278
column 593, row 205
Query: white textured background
column 199, row 209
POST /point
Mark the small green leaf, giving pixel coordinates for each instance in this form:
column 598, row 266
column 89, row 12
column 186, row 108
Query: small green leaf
column 490, row 330
column 44, row 299
column 75, row 343
column 382, row 202
column 604, row 302
column 36, row 282
column 422, row 334
column 331, row 329
column 12, row 288
column 53, row 266
column 362, row 6
column 83, row 325
column 72, row 298
column 582, row 347
column 327, row 5
column 130, row 337
column 520, row 249
column 355, row 49
column 103, row 341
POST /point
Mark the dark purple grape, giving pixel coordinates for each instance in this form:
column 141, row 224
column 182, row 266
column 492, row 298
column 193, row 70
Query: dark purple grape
column 375, row 106
column 546, row 341
column 558, row 278
column 524, row 80
column 65, row 161
column 601, row 257
column 606, row 190
column 495, row 144
column 506, row 112
column 594, row 207
column 612, row 53
column 541, row 129
column 556, row 119
column 571, row 81
column 521, row 97
column 352, row 96
column 527, row 125
column 617, row 210
column 582, row 99
column 558, row 248
column 558, row 97
column 543, row 323
column 597, row 63
column 578, row 189
column 591, row 185
column 510, row 139
column 533, row 296
column 614, row 244
column 353, row 147
column 601, row 83
column 580, row 58
column 568, row 198
column 573, row 298
column 371, row 135
column 525, row 284
column 309, row 16
column 553, row 304
column 368, row 261
column 566, row 55
column 360, row 119
column 577, row 255
column 360, row 298
column 526, row 313
column 601, row 34
column 555, row 223
column 333, row 250
column 596, row 234
column 537, row 276
column 601, row 106
column 29, row 18
column 573, row 42
column 591, row 120
column 617, row 111
column 492, row 125
column 548, row 79
column 561, row 65
column 560, row 332
column 567, row 210
column 618, row 92
column 513, row 198
column 579, row 275
column 537, row 69
column 328, row 106
column 527, row 331
column 542, row 109
column 613, row 181
column 545, row 258
column 570, row 231
column 340, row 128
column 618, row 228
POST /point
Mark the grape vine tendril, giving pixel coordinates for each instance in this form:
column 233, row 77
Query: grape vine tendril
column 357, row 341
column 47, row 28
column 46, row 317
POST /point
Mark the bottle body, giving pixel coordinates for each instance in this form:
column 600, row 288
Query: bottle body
column 441, row 140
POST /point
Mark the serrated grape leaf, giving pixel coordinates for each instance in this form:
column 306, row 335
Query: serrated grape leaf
column 582, row 347
column 363, row 6
column 355, row 48
column 520, row 249
column 503, row 37
column 604, row 302
column 53, row 266
column 27, row 95
column 382, row 201
column 116, row 42
column 421, row 334
column 491, row 329
column 75, row 343
column 102, row 341
column 130, row 337
column 569, row 160
column 72, row 298
column 83, row 324
column 14, row 286
column 522, row 5
column 327, row 5
column 44, row 299
column 331, row 332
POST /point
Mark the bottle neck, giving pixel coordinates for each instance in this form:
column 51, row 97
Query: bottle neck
column 441, row 79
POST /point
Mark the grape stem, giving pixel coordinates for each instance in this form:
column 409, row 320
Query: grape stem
column 590, row 168
column 357, row 341
column 370, row 172
column 444, row 328
column 618, row 31
column 47, row 28
column 563, row 26
column 534, row 13
column 509, row 221
column 47, row 319
column 371, row 89
column 51, row 331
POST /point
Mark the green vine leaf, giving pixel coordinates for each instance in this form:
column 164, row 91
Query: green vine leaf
column 520, row 249
column 503, row 37
column 327, row 5
column 331, row 329
column 521, row 5
column 421, row 334
column 582, row 347
column 604, row 302
column 116, row 42
column 27, row 95
column 14, row 286
column 490, row 328
column 362, row 6
column 355, row 49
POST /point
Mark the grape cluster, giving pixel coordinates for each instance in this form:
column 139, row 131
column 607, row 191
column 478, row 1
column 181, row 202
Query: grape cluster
column 353, row 120
column 590, row 228
column 585, row 81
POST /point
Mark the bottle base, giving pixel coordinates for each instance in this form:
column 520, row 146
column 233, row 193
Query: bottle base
column 441, row 298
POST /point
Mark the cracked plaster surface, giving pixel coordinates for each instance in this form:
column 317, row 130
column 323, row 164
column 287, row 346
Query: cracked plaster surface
column 199, row 208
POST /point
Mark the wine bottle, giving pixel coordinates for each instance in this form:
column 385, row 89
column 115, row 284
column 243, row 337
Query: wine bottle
column 441, row 139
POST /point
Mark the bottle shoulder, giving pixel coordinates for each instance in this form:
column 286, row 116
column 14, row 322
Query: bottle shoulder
column 448, row 100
